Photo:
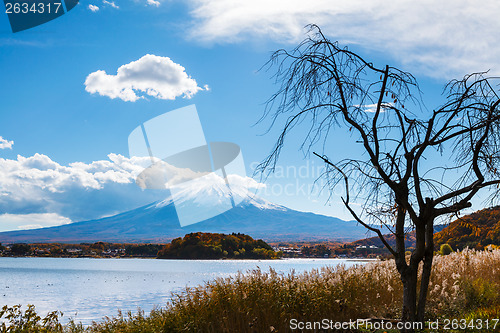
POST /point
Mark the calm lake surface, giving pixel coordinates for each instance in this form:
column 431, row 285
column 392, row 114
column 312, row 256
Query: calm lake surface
column 88, row 289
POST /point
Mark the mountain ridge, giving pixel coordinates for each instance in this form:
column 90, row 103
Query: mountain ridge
column 157, row 222
column 476, row 230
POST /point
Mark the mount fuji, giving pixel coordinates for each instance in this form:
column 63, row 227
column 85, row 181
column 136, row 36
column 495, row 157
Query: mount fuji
column 158, row 222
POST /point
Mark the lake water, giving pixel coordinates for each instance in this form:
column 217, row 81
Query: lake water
column 88, row 289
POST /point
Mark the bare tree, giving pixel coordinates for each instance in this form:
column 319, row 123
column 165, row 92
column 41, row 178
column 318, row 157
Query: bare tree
column 414, row 170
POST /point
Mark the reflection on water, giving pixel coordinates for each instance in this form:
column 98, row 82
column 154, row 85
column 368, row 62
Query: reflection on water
column 89, row 289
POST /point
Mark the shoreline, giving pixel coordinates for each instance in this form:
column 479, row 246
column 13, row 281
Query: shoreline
column 202, row 259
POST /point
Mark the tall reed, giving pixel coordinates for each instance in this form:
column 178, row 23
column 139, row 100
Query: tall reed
column 464, row 284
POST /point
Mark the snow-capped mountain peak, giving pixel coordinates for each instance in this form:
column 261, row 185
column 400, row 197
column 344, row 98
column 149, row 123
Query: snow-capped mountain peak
column 213, row 191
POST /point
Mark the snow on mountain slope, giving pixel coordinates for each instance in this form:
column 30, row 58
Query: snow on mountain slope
column 212, row 189
column 158, row 221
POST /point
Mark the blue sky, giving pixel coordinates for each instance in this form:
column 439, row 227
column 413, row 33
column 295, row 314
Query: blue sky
column 50, row 120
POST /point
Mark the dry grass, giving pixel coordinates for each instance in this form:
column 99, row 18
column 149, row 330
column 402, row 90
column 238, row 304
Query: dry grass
column 462, row 284
column 464, row 281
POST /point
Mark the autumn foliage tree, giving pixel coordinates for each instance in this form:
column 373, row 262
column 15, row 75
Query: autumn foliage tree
column 417, row 166
column 477, row 230
column 201, row 245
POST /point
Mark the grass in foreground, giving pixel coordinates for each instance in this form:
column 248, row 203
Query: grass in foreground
column 464, row 285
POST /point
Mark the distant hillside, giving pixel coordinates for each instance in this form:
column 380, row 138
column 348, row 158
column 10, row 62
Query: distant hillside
column 476, row 230
column 391, row 239
column 158, row 223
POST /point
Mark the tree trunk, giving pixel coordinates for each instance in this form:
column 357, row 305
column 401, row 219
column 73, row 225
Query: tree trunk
column 412, row 311
column 409, row 279
column 426, row 271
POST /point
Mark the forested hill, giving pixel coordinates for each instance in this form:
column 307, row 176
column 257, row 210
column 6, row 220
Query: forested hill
column 203, row 245
column 391, row 239
column 476, row 230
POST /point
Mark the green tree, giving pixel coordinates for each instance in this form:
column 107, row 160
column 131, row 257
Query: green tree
column 20, row 249
column 445, row 249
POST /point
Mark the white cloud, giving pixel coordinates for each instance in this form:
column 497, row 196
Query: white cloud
column 444, row 38
column 78, row 191
column 111, row 3
column 37, row 191
column 5, row 144
column 93, row 8
column 31, row 221
column 39, row 172
column 372, row 108
column 153, row 3
column 152, row 75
